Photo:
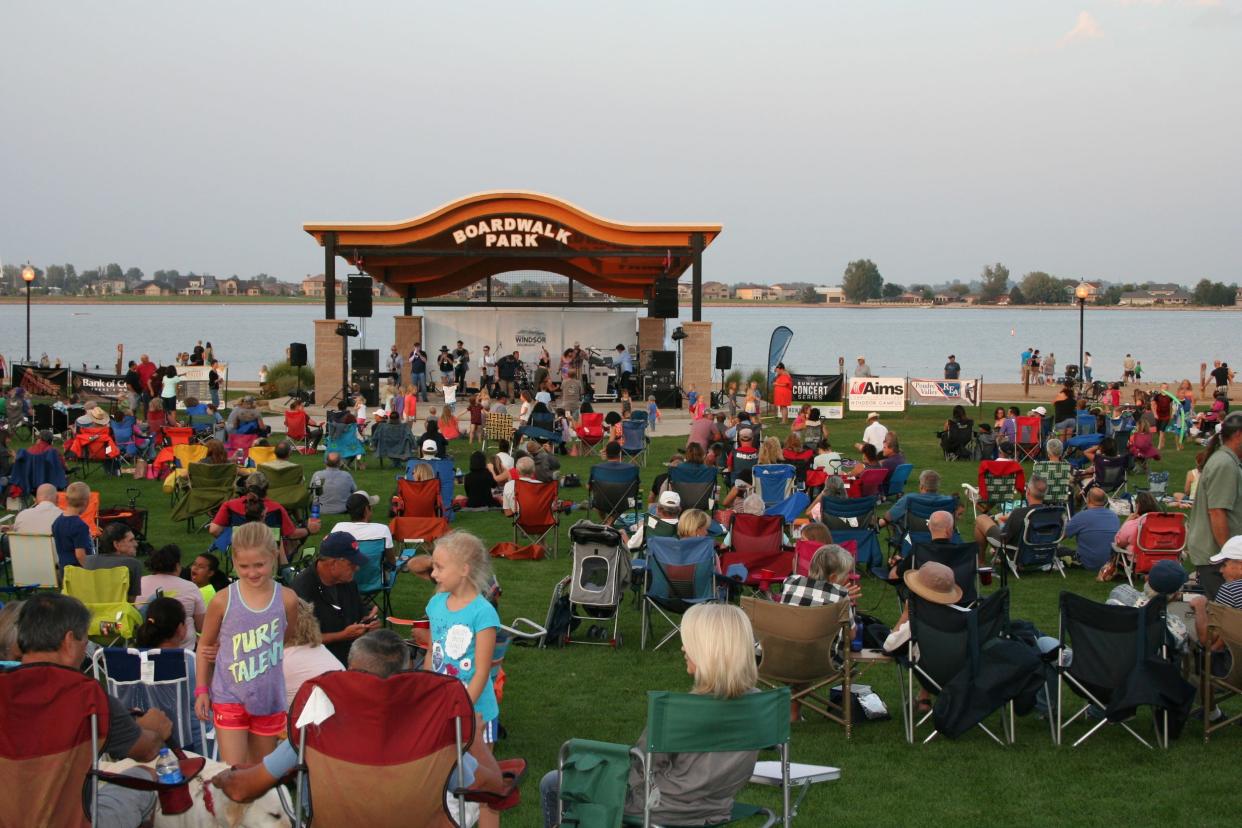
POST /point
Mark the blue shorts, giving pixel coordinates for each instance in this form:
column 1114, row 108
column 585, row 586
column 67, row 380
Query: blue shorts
column 490, row 732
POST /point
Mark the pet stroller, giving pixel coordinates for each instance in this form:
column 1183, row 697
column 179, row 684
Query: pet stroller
column 594, row 588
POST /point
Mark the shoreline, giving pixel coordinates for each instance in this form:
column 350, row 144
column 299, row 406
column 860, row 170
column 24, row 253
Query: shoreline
column 275, row 301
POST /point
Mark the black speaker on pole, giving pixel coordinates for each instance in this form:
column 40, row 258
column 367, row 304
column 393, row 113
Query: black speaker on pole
column 297, row 354
column 664, row 299
column 364, row 374
column 724, row 357
column 358, row 296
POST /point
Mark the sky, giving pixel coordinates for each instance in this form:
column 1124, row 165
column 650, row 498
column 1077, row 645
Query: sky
column 1094, row 139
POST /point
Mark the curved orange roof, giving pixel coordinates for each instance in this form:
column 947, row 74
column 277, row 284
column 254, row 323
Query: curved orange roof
column 494, row 232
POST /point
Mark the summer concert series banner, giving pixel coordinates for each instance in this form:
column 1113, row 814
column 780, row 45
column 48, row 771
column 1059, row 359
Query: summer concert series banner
column 822, row 391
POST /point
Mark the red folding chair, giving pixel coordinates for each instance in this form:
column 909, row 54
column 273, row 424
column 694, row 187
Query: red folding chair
column 417, row 531
column 1030, row 436
column 755, row 543
column 90, row 515
column 172, row 436
column 591, row 430
column 1161, row 537
column 867, row 484
column 93, row 444
column 537, row 512
column 418, row 498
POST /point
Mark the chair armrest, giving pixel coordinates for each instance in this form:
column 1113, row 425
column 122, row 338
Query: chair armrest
column 971, row 491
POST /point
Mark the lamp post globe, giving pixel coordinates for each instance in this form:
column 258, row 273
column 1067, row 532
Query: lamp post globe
column 28, row 276
column 1081, row 292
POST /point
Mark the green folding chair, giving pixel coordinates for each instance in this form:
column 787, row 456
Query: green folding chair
column 286, row 484
column 594, row 779
column 206, row 486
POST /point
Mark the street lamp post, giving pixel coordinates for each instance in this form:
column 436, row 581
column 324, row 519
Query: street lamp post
column 28, row 276
column 1081, row 292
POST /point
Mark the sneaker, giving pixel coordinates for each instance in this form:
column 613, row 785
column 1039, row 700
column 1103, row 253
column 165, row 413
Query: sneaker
column 1216, row 715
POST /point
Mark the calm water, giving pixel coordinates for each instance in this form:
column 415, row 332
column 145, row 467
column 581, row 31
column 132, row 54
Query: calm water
column 896, row 341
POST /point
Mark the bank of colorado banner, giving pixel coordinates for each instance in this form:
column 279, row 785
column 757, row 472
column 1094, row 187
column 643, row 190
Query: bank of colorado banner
column 89, row 385
column 945, row 392
column 41, row 382
column 822, row 391
column 878, row 394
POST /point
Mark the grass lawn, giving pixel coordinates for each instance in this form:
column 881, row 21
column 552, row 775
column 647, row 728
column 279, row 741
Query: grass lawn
column 596, row 692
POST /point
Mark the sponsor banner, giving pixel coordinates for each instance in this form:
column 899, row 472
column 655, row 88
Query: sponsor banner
column 89, row 385
column 944, row 392
column 878, row 394
column 823, row 391
column 195, row 381
column 42, row 382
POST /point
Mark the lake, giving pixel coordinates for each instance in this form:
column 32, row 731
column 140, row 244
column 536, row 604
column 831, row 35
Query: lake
column 896, row 341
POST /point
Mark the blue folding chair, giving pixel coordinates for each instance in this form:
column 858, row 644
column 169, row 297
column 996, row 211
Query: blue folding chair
column 1085, row 423
column 167, row 686
column 1039, row 546
column 374, row 578
column 695, row 484
column 853, row 519
column 679, row 573
column 634, row 441
column 895, row 485
column 615, row 491
column 343, row 439
column 911, row 529
column 774, row 481
column 446, row 473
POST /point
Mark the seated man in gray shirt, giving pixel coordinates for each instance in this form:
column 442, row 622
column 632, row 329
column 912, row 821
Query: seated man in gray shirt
column 119, row 547
column 335, row 485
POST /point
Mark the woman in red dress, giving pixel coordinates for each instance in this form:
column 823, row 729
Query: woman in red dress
column 782, row 392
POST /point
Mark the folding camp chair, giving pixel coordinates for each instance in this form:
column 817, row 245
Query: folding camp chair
column 1161, row 537
column 774, row 482
column 591, row 428
column 801, row 647
column 962, row 558
column 895, row 485
column 394, row 442
column 343, row 439
column 204, row 427
column 31, row 563
column 376, row 577
column 1039, row 547
column 1111, row 475
column 958, row 442
column 1223, row 623
column 89, row 515
column 446, row 473
column 1002, row 484
column 286, row 484
column 696, row 485
column 418, row 498
column 414, row 726
column 171, row 436
column 634, row 441
column 128, row 439
column 146, row 679
column 679, row 573
column 1157, row 485
column 1112, row 647
column 95, row 445
column 1060, row 479
column 614, row 491
column 1085, row 423
column 298, row 427
column 853, row 520
column 497, row 426
column 911, row 529
column 867, row 485
column 53, row 722
column 741, row 460
column 594, row 780
column 205, row 488
column 105, row 592
column 755, row 544
column 943, row 642
column 537, row 513
column 257, row 455
column 1030, row 437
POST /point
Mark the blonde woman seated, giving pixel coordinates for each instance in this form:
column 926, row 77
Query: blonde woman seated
column 305, row 656
column 693, row 523
column 694, row 788
column 827, row 580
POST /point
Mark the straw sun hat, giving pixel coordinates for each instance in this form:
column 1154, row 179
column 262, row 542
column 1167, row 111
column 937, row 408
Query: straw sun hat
column 934, row 582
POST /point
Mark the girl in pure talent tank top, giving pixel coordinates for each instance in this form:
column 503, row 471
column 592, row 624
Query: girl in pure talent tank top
column 248, row 670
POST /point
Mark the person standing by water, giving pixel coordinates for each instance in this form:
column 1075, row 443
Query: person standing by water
column 1025, row 367
column 1127, row 368
column 1086, row 366
column 782, row 392
column 952, row 370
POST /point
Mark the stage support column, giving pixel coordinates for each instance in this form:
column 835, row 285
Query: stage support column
column 409, row 329
column 329, row 276
column 697, row 357
column 696, row 276
column 328, row 347
column 650, row 337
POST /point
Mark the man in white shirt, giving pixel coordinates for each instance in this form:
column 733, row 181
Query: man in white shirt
column 359, row 507
column 37, row 520
column 488, row 366
column 874, row 433
column 526, row 471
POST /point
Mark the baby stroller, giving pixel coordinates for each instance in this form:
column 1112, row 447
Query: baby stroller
column 594, row 589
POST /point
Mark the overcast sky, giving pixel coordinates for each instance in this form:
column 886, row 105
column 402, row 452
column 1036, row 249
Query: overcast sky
column 1090, row 139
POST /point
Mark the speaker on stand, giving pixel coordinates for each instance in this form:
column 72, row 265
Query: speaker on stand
column 724, row 361
column 364, row 374
column 358, row 296
column 297, row 359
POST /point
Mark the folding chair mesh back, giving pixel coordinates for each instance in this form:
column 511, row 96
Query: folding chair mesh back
column 1111, row 474
column 774, row 481
column 695, row 484
column 52, row 720
column 372, row 577
column 634, row 440
column 614, row 491
column 536, row 517
column 384, row 756
column 208, row 485
column 32, row 560
column 166, row 688
column 1030, row 437
column 497, row 426
column 962, row 558
column 853, row 520
column 420, row 498
column 680, row 573
column 1001, row 482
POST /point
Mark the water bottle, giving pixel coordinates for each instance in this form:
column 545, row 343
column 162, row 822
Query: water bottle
column 314, row 513
column 167, row 768
column 857, row 644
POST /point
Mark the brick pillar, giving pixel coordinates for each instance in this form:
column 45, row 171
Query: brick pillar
column 409, row 329
column 650, row 336
column 327, row 360
column 697, row 357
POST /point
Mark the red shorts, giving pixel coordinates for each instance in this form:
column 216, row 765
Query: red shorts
column 231, row 716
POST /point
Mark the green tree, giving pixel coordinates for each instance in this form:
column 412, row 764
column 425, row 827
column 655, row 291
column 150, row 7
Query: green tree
column 133, row 276
column 1214, row 294
column 1016, row 297
column 891, row 290
column 1041, row 289
column 55, row 277
column 809, row 296
column 995, row 282
column 1111, row 295
column 959, row 289
column 113, row 271
column 862, row 281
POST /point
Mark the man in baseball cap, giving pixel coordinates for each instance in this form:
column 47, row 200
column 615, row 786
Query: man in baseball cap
column 663, row 524
column 429, row 449
column 329, row 586
column 1230, row 559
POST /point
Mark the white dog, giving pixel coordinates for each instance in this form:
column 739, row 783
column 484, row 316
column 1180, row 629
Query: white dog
column 264, row 812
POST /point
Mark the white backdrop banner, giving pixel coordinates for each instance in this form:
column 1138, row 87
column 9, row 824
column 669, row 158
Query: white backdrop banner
column 945, row 392
column 528, row 330
column 878, row 394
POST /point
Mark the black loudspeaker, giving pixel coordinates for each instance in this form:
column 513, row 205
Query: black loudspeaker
column 358, row 296
column 664, row 299
column 661, row 361
column 297, row 354
column 724, row 357
column 364, row 374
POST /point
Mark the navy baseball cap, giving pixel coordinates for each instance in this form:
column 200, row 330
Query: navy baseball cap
column 342, row 545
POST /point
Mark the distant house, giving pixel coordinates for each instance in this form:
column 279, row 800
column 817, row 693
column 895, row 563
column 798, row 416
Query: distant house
column 1093, row 290
column 715, row 291
column 242, row 287
column 314, row 286
column 1136, row 298
column 945, row 298
column 834, row 295
column 1156, row 295
column 756, row 293
column 1238, row 299
column 196, row 285
column 150, row 288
